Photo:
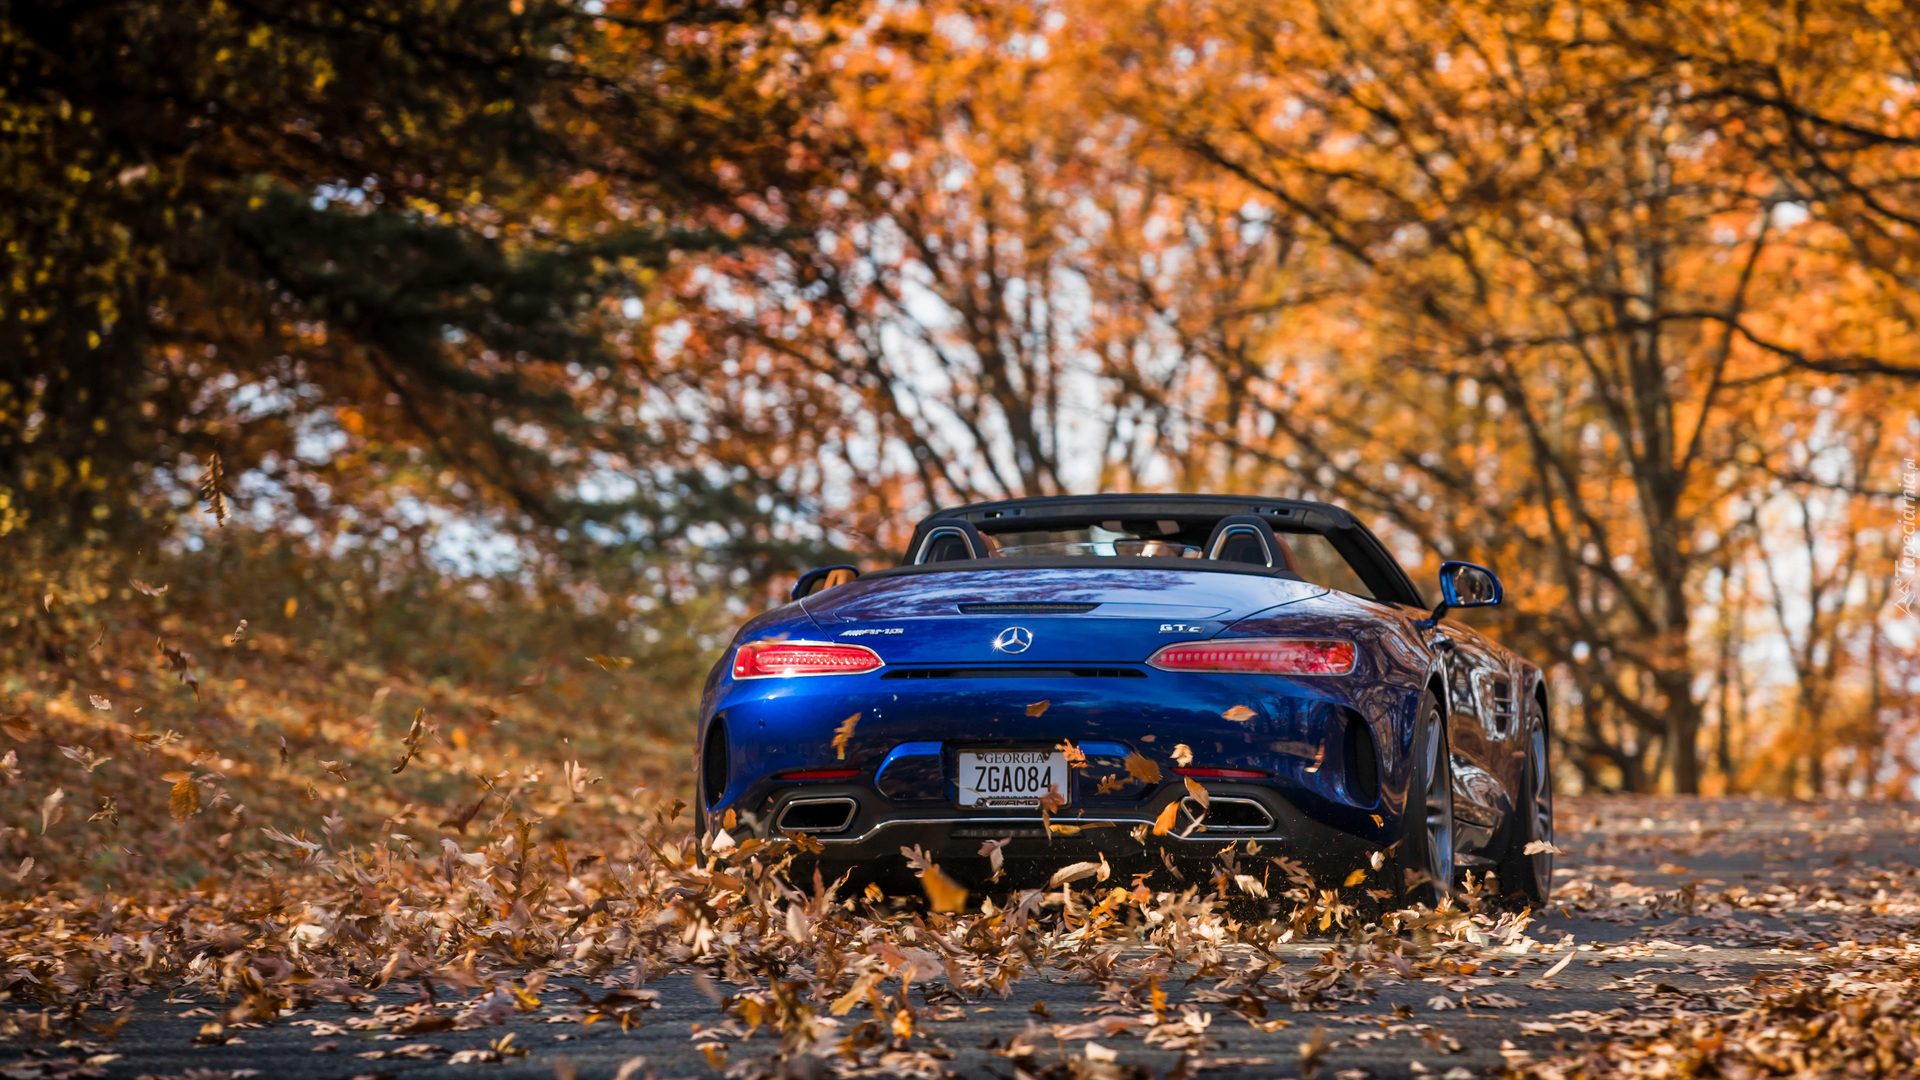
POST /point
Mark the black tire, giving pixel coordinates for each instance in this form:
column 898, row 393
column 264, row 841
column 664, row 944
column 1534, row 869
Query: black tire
column 1424, row 868
column 1529, row 878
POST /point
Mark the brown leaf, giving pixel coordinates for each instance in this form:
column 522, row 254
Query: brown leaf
column 1182, row 754
column 1143, row 769
column 842, row 734
column 612, row 663
column 1239, row 714
column 1037, row 708
column 1355, row 878
column 150, row 590
column 18, row 728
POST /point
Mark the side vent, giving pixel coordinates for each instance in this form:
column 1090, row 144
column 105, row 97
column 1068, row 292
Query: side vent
column 1503, row 712
column 713, row 762
column 1363, row 760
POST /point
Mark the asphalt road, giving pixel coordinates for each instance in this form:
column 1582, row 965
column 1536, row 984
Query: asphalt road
column 1629, row 957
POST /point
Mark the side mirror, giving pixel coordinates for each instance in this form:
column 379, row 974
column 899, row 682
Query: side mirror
column 1465, row 585
column 1462, row 585
column 824, row 578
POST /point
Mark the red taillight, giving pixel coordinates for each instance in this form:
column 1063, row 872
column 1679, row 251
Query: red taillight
column 1223, row 774
column 819, row 774
column 774, row 659
column 1258, row 656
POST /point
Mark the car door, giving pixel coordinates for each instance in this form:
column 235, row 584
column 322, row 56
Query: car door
column 1483, row 729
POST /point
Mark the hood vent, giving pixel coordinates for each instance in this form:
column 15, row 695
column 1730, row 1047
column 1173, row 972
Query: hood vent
column 1035, row 608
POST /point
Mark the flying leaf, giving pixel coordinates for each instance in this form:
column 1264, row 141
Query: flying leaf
column 1072, row 872
column 944, row 893
column 1198, row 794
column 238, row 632
column 1535, row 847
column 416, row 733
column 85, row 755
column 151, row 742
column 1163, row 824
column 18, row 728
column 1355, row 878
column 1037, row 708
column 1239, row 714
column 612, row 663
column 100, row 702
column 184, row 800
column 213, row 488
column 1076, row 757
column 150, row 590
column 1182, row 754
column 843, row 733
column 995, row 858
column 1313, row 1053
column 1143, row 769
column 50, row 810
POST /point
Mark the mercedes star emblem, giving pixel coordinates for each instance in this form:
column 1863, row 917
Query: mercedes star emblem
column 1014, row 639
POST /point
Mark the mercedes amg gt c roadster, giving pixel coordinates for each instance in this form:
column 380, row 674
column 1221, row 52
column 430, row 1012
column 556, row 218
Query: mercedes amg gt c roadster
column 1143, row 679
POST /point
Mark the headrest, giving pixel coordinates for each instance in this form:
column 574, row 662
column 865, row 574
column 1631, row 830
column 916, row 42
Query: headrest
column 948, row 540
column 1246, row 538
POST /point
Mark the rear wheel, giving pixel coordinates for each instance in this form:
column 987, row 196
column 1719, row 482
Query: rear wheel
column 1531, row 876
column 1425, row 856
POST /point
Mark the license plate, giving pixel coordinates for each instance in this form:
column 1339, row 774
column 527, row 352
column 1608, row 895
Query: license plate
column 1012, row 777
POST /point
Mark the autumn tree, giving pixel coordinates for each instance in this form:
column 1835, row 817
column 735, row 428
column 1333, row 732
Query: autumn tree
column 373, row 247
column 1555, row 340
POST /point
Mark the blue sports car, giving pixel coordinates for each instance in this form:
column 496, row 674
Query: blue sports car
column 1143, row 679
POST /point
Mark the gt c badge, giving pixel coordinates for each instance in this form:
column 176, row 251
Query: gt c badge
column 1014, row 639
column 1181, row 628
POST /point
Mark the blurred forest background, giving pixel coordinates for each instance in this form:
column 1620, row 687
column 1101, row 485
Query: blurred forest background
column 438, row 381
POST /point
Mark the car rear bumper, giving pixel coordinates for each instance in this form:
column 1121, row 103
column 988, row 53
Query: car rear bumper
column 954, row 836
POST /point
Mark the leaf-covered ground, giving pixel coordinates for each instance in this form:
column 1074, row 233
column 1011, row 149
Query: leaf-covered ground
column 1686, row 938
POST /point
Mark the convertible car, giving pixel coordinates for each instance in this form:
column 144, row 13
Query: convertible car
column 1140, row 679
